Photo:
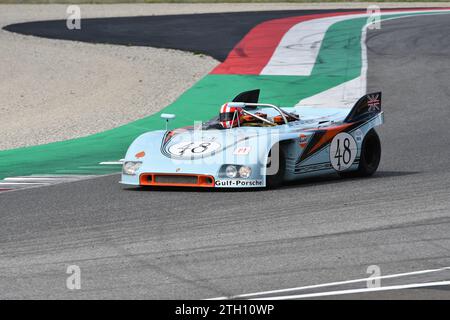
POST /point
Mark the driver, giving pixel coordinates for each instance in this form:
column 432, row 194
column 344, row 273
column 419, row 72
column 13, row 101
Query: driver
column 232, row 116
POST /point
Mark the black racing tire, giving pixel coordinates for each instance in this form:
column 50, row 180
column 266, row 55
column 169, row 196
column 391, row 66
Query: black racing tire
column 274, row 181
column 370, row 156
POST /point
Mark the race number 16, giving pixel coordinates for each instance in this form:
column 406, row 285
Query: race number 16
column 343, row 151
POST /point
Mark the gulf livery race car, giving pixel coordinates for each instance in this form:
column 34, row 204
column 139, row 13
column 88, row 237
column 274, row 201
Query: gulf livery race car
column 251, row 144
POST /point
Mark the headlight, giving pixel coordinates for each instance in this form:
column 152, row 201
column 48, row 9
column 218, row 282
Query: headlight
column 245, row 172
column 231, row 172
column 130, row 167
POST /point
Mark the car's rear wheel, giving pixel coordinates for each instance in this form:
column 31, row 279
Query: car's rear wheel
column 370, row 156
column 277, row 165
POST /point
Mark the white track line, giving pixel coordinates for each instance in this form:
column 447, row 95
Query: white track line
column 119, row 162
column 34, row 181
column 397, row 275
column 111, row 163
column 351, row 291
column 60, row 176
column 73, row 178
column 30, row 179
column 21, row 183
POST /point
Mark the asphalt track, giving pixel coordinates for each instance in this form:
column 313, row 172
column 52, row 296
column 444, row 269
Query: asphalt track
column 138, row 243
column 213, row 34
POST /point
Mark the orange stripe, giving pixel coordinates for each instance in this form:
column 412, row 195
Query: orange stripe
column 328, row 136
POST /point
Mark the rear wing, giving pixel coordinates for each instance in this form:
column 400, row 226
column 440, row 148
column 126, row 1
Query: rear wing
column 366, row 107
column 251, row 96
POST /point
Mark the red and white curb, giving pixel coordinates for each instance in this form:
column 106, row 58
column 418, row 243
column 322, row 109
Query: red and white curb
column 290, row 47
column 346, row 94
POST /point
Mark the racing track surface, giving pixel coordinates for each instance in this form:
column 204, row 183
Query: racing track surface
column 198, row 244
column 214, row 34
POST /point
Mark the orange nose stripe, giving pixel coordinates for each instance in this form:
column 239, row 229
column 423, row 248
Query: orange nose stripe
column 140, row 155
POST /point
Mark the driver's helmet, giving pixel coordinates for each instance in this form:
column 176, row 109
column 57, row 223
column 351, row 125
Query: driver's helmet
column 230, row 116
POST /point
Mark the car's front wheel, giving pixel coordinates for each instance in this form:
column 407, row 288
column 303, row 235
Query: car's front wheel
column 275, row 168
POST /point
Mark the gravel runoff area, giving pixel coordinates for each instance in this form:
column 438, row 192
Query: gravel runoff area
column 53, row 90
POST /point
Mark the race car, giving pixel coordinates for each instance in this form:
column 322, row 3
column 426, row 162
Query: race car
column 256, row 145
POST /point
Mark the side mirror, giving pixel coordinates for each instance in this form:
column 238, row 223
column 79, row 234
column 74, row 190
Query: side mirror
column 167, row 116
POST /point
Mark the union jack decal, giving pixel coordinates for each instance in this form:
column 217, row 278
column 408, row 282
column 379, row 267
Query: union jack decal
column 373, row 101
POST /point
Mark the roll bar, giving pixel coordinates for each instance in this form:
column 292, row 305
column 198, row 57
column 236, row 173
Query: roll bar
column 282, row 113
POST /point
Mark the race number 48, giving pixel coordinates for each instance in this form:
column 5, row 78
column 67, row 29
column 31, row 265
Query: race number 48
column 343, row 151
column 190, row 149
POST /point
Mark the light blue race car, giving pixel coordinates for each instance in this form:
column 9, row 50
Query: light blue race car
column 251, row 145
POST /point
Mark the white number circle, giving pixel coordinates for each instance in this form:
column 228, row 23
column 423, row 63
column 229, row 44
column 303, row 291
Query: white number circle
column 343, row 151
column 194, row 148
